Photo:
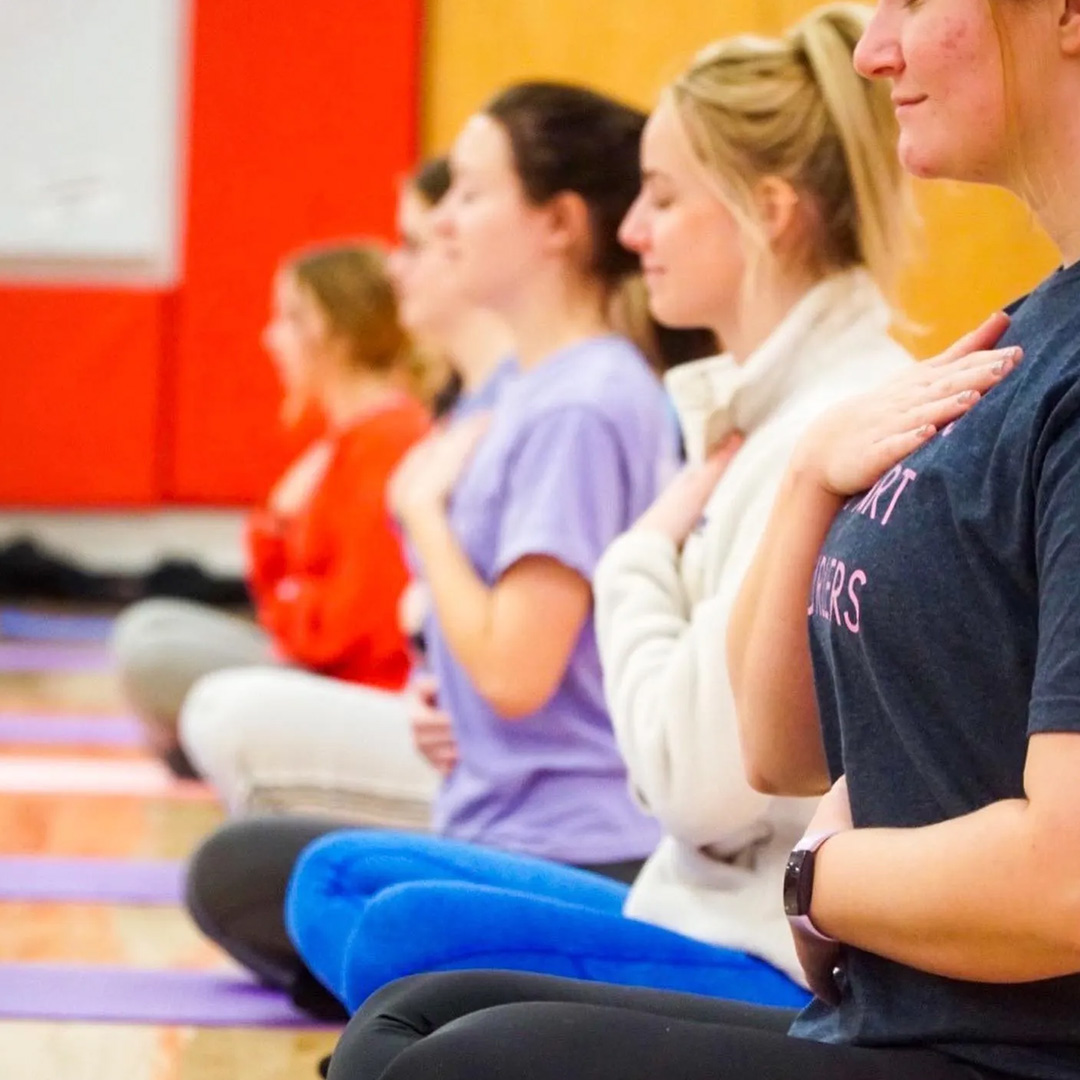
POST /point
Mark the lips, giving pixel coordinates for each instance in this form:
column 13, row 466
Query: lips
column 906, row 101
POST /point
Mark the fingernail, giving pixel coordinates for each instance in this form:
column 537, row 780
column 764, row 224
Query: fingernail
column 925, row 431
column 969, row 395
column 1009, row 357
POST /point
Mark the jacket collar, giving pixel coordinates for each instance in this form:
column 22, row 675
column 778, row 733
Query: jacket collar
column 716, row 396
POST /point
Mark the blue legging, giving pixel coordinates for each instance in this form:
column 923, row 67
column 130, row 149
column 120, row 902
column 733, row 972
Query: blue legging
column 365, row 908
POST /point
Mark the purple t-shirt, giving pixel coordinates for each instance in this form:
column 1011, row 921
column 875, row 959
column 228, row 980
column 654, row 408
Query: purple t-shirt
column 578, row 448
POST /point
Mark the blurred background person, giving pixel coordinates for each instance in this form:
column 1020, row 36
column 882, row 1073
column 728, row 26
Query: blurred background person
column 324, row 562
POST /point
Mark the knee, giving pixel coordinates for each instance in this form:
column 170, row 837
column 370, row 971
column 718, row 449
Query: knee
column 219, row 873
column 329, row 868
column 214, row 722
column 143, row 646
column 402, row 932
column 465, row 1046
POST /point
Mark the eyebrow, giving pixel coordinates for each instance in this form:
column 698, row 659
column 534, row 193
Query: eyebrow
column 654, row 174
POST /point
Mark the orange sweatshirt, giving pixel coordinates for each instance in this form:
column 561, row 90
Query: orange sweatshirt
column 326, row 581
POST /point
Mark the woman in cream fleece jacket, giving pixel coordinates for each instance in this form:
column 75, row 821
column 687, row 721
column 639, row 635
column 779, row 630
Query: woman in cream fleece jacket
column 771, row 208
column 663, row 602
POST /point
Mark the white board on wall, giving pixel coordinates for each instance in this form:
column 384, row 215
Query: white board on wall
column 91, row 115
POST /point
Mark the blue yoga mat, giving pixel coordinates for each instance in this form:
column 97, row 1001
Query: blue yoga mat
column 101, row 881
column 52, row 626
column 122, row 995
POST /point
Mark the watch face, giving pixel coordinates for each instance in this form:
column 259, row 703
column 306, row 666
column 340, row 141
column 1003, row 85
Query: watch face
column 794, row 875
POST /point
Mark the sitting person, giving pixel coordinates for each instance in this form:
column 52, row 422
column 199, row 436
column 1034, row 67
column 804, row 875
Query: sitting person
column 905, row 642
column 759, row 230
column 324, row 563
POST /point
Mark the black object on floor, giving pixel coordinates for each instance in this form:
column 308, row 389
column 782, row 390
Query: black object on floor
column 29, row 571
column 309, row 994
column 179, row 764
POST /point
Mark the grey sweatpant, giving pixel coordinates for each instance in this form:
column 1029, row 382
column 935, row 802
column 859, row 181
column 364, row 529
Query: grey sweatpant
column 163, row 647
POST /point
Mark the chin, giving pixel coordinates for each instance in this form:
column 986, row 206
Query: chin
column 920, row 161
column 672, row 316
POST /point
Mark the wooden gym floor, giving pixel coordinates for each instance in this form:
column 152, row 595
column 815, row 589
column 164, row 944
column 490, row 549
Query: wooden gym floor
column 117, row 827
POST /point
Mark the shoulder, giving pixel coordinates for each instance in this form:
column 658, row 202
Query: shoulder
column 384, row 437
column 608, row 381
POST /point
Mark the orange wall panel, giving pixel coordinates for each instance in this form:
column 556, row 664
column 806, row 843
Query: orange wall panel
column 79, row 397
column 302, row 116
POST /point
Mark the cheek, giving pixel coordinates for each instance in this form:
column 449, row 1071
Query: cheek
column 701, row 248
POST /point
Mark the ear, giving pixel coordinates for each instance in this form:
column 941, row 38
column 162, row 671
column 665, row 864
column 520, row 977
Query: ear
column 777, row 206
column 567, row 223
column 1069, row 27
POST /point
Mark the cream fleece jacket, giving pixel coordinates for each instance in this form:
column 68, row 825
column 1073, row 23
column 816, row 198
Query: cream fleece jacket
column 662, row 613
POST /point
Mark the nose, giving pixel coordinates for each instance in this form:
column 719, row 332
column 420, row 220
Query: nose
column 633, row 232
column 395, row 266
column 442, row 217
column 878, row 54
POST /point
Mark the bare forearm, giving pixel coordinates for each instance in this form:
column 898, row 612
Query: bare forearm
column 462, row 602
column 987, row 897
column 768, row 650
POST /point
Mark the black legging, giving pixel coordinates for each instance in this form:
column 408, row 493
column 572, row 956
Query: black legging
column 492, row 1025
column 236, row 886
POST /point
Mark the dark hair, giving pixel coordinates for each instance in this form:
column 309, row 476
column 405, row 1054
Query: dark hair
column 567, row 138
column 431, row 181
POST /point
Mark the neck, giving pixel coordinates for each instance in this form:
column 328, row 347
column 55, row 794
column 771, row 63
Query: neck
column 1055, row 207
column 475, row 344
column 1052, row 174
column 556, row 311
column 753, row 319
column 350, row 395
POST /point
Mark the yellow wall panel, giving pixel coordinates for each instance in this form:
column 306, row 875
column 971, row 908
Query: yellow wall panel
column 980, row 249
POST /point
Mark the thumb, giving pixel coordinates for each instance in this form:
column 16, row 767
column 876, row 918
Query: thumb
column 720, row 456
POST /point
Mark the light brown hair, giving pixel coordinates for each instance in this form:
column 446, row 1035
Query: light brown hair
column 352, row 287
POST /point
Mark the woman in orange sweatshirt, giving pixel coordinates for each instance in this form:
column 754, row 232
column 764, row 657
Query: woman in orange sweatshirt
column 325, row 564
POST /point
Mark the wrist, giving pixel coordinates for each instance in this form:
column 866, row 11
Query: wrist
column 800, row 876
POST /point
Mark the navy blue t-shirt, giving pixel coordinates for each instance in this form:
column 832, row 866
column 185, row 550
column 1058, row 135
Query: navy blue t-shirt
column 945, row 630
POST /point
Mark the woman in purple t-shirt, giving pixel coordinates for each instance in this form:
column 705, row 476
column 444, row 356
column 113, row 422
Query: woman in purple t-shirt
column 576, row 449
column 508, row 519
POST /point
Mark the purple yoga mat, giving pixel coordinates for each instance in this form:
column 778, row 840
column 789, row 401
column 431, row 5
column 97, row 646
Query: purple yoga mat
column 27, row 656
column 53, row 729
column 101, row 881
column 121, row 995
column 53, row 626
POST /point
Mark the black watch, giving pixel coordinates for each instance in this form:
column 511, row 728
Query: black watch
column 799, row 883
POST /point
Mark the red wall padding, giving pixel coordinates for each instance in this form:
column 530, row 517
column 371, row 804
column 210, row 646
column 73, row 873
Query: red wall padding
column 79, row 397
column 301, row 117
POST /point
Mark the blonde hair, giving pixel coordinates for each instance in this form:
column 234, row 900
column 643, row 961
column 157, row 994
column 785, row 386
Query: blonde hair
column 352, row 286
column 795, row 108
